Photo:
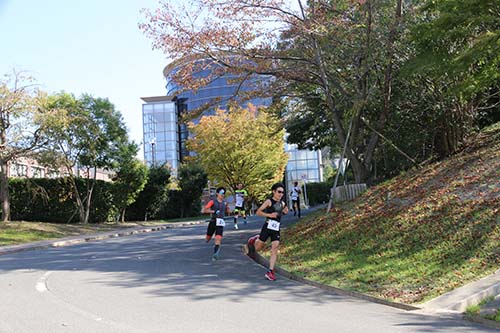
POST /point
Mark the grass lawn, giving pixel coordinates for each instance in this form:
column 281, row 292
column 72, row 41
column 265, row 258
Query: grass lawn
column 15, row 232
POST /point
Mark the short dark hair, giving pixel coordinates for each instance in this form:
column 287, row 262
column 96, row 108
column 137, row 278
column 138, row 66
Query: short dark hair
column 276, row 186
column 219, row 189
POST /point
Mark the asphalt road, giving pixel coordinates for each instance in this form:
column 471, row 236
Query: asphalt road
column 165, row 282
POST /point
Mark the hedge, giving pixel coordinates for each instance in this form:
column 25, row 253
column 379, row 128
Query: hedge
column 51, row 200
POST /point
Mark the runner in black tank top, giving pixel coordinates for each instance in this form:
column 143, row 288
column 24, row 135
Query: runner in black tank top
column 272, row 209
column 218, row 208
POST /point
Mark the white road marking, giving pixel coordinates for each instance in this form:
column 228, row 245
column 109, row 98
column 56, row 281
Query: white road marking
column 41, row 284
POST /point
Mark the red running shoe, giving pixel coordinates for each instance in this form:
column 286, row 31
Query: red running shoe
column 270, row 276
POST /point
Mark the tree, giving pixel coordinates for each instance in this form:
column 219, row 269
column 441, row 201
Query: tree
column 192, row 180
column 343, row 52
column 240, row 146
column 86, row 134
column 128, row 182
column 153, row 198
column 457, row 47
column 22, row 105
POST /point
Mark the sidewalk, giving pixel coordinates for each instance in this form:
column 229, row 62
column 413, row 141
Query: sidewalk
column 459, row 299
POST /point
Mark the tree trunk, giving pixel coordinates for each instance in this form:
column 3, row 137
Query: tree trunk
column 387, row 87
column 90, row 191
column 4, row 191
column 79, row 202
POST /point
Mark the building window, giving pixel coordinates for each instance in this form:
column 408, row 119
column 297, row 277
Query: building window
column 53, row 174
column 37, row 172
column 18, row 170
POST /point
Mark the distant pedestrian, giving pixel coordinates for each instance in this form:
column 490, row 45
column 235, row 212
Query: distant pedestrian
column 295, row 196
column 239, row 208
column 218, row 208
column 272, row 209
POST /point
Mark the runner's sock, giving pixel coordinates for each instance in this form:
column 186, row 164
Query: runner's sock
column 216, row 248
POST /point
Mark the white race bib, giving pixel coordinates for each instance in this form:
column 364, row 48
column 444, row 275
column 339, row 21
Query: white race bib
column 239, row 201
column 273, row 225
column 220, row 222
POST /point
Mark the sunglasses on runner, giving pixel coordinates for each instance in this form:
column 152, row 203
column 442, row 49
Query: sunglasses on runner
column 280, row 192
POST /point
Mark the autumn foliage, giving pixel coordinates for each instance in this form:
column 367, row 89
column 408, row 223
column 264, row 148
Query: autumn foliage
column 243, row 145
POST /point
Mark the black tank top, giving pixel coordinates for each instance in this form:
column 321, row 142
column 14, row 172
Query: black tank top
column 219, row 206
column 276, row 206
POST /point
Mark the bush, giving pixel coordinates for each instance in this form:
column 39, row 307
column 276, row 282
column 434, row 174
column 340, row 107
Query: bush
column 51, row 200
column 318, row 193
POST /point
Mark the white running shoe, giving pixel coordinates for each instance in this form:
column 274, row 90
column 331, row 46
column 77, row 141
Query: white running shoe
column 235, row 227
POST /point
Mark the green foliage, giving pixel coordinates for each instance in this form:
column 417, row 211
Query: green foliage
column 153, row 198
column 460, row 39
column 128, row 182
column 452, row 78
column 192, row 180
column 186, row 201
column 318, row 193
column 51, row 200
column 87, row 133
column 21, row 106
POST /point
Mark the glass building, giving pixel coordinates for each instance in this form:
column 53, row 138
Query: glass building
column 216, row 94
column 304, row 166
column 161, row 132
column 165, row 136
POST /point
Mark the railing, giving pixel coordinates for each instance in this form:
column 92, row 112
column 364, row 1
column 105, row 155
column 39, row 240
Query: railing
column 348, row 192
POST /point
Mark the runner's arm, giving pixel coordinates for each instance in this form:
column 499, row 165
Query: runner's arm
column 285, row 208
column 260, row 211
column 206, row 209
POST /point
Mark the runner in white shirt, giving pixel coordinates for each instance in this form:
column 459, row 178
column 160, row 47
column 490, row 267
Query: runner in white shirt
column 240, row 195
column 295, row 196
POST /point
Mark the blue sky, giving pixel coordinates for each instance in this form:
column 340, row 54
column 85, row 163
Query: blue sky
column 91, row 46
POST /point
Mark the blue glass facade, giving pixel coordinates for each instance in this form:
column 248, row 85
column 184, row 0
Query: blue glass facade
column 161, row 133
column 219, row 91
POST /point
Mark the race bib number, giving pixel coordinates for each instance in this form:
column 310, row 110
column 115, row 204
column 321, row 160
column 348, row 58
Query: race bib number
column 273, row 225
column 220, row 222
column 239, row 201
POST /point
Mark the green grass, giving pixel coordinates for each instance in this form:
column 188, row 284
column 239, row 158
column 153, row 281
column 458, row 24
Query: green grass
column 10, row 237
column 12, row 233
column 495, row 317
column 440, row 230
column 474, row 310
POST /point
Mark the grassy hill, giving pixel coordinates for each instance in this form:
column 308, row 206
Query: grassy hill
column 413, row 237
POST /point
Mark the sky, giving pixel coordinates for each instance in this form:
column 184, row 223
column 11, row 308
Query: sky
column 90, row 46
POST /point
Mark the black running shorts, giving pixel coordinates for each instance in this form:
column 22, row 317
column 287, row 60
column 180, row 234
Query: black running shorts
column 266, row 233
column 212, row 228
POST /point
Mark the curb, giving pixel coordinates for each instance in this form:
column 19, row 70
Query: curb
column 483, row 288
column 264, row 262
column 68, row 241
